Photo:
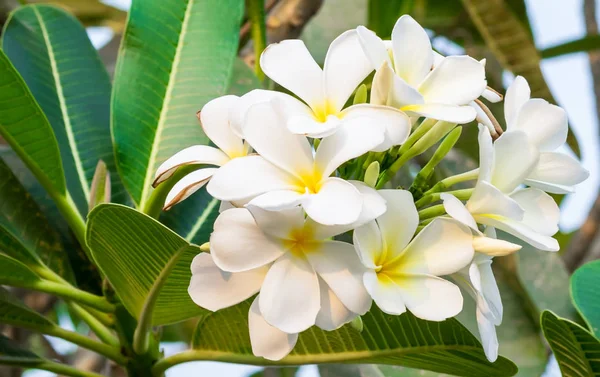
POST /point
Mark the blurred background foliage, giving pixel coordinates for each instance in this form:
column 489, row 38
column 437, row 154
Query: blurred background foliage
column 496, row 30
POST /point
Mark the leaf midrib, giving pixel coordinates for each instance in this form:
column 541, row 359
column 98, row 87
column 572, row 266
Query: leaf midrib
column 63, row 107
column 165, row 107
column 201, row 220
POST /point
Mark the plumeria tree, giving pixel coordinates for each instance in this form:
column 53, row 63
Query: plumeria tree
column 297, row 214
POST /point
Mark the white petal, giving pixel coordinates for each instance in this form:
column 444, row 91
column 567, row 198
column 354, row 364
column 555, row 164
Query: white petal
column 458, row 80
column 558, row 169
column 308, row 125
column 289, row 64
column 373, row 47
column 486, row 154
column 268, row 341
column 489, row 339
column 396, row 123
column 337, row 263
column 430, row 298
column 278, row 200
column 196, row 154
column 443, row 247
column 214, row 289
column 515, row 157
column 279, row 224
column 457, row 210
column 491, row 95
column 358, row 135
column 448, row 113
column 265, row 131
column 489, row 290
column 482, row 117
column 290, row 295
column 237, row 243
column 247, row 177
column 399, row 223
column 333, row 313
column 346, row 66
column 541, row 211
column 488, row 200
column 494, row 247
column 369, row 244
column 545, row 124
column 337, row 203
column 386, row 294
column 552, row 188
column 413, row 57
column 389, row 89
column 522, row 231
column 517, row 94
column 214, row 117
column 187, row 186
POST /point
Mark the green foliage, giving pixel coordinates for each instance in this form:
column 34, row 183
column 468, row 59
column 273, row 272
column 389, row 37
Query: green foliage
column 586, row 297
column 133, row 250
column 12, row 354
column 382, row 15
column 53, row 54
column 576, row 350
column 15, row 313
column 175, row 56
column 587, row 43
column 402, row 340
column 15, row 273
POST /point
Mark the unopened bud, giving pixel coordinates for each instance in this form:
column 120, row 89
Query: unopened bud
column 205, row 247
column 361, row 95
column 100, row 189
column 357, row 324
column 372, row 173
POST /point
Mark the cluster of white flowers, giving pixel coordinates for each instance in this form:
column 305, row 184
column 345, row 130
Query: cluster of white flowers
column 292, row 174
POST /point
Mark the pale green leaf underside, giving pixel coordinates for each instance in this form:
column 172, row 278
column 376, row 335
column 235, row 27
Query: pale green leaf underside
column 26, row 128
column 13, row 312
column 176, row 55
column 15, row 273
column 401, row 340
column 584, row 290
column 576, row 350
column 52, row 52
column 132, row 249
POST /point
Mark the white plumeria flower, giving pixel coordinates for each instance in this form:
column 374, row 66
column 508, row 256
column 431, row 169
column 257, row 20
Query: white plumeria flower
column 287, row 173
column 297, row 252
column 546, row 126
column 404, row 274
column 529, row 214
column 215, row 289
column 325, row 91
column 215, row 120
column 404, row 78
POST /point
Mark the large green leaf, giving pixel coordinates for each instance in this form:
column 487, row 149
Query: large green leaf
column 382, row 15
column 510, row 41
column 575, row 349
column 14, row 312
column 25, row 127
column 176, row 55
column 53, row 54
column 15, row 273
column 132, row 250
column 12, row 354
column 401, row 340
column 586, row 297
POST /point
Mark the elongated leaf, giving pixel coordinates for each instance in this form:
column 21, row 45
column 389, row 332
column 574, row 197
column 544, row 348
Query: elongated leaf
column 402, row 340
column 132, row 250
column 511, row 43
column 586, row 296
column 25, row 233
column 53, row 54
column 11, row 353
column 576, row 350
column 14, row 312
column 176, row 55
column 25, row 127
column 15, row 273
column 587, row 43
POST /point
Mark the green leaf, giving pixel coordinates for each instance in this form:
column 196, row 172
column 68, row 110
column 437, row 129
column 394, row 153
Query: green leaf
column 53, row 54
column 511, row 43
column 575, row 349
column 400, row 340
column 383, row 15
column 25, row 127
column 587, row 43
column 25, row 233
column 14, row 312
column 175, row 56
column 12, row 354
column 132, row 250
column 100, row 191
column 15, row 273
column 585, row 294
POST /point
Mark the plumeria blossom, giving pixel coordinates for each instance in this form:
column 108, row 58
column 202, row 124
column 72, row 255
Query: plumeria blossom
column 405, row 79
column 286, row 173
column 546, row 127
column 529, row 214
column 404, row 274
column 479, row 281
column 215, row 289
column 325, row 91
column 215, row 120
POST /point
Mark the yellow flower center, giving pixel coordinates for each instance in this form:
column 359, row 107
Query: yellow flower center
column 322, row 111
column 309, row 182
column 300, row 241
